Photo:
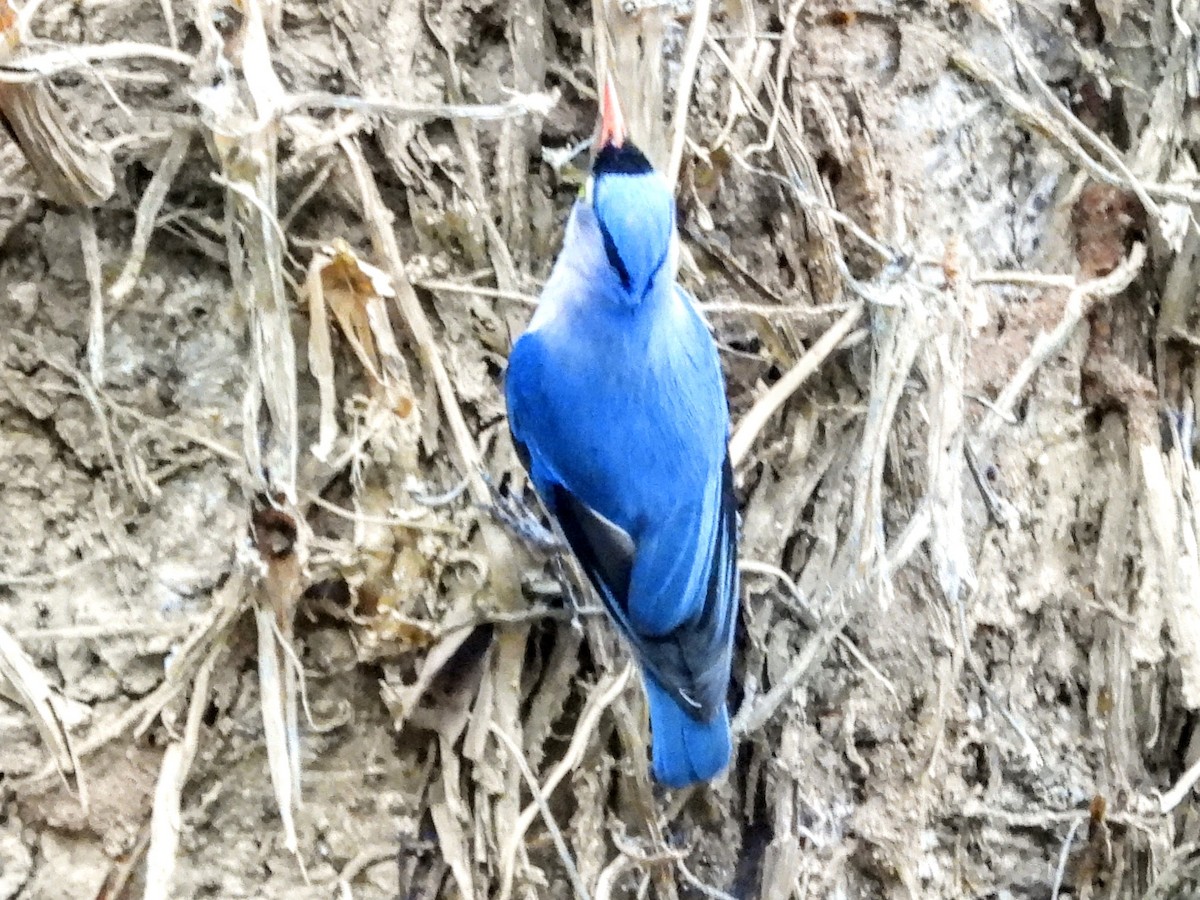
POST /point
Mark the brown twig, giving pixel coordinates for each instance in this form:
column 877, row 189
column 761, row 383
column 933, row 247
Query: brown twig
column 1080, row 300
column 384, row 239
column 539, row 798
column 602, row 697
column 756, row 419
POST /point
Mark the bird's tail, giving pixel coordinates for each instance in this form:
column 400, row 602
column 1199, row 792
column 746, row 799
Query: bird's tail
column 684, row 750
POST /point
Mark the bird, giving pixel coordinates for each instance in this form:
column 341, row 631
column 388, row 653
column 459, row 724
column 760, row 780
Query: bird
column 618, row 412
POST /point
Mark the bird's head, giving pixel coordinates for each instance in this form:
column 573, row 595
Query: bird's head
column 630, row 205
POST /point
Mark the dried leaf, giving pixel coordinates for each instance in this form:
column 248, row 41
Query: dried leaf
column 451, row 836
column 71, row 168
column 357, row 293
column 279, row 724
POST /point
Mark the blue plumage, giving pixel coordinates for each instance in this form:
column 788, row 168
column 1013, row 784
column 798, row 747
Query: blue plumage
column 617, row 408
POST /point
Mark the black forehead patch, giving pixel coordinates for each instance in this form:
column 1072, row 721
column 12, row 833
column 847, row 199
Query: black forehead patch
column 624, row 160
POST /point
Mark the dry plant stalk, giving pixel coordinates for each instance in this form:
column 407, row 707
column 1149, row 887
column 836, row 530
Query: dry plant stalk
column 898, row 334
column 165, row 822
column 46, row 707
column 683, row 92
column 756, row 419
column 282, row 546
column 601, row 698
column 241, row 111
column 1081, row 300
column 944, row 366
column 1050, row 126
column 71, row 168
column 278, row 687
column 148, row 209
column 241, row 114
column 1172, row 509
column 544, row 808
column 89, row 243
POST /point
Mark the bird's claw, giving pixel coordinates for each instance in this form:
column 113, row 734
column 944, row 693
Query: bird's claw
column 567, row 584
column 515, row 517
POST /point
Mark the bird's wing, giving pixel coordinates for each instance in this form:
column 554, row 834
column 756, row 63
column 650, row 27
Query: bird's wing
column 691, row 659
column 604, row 549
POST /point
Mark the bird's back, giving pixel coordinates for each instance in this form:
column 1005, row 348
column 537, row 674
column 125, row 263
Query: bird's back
column 635, row 403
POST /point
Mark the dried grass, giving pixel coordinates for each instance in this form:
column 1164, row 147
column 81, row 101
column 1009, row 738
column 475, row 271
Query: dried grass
column 48, row 710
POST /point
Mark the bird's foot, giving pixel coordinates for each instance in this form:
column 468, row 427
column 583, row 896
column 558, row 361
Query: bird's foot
column 573, row 602
column 521, row 522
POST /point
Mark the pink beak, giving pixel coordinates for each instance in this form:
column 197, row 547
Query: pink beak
column 612, row 120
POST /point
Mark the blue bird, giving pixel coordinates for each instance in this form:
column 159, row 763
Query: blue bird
column 617, row 409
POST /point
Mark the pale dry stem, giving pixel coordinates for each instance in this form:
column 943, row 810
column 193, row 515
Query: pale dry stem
column 1172, row 511
column 379, row 218
column 1060, row 870
column 47, row 708
column 240, row 111
column 1099, row 146
column 165, row 819
column 33, row 67
column 601, row 698
column 277, row 696
column 539, row 798
column 1079, row 301
column 683, row 90
column 515, row 107
column 1042, row 123
column 765, row 407
column 100, row 631
column 147, row 212
column 90, row 245
column 45, row 579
